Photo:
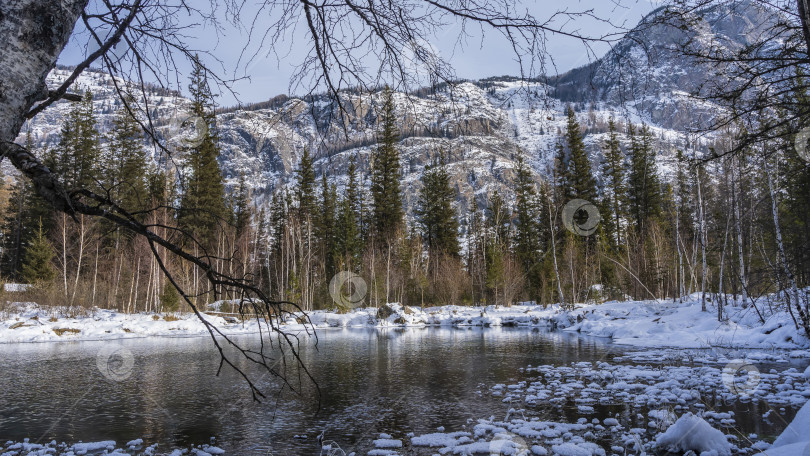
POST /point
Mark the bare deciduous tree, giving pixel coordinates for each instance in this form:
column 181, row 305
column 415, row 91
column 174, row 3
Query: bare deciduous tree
column 350, row 43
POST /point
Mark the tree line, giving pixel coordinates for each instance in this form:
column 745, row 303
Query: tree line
column 736, row 226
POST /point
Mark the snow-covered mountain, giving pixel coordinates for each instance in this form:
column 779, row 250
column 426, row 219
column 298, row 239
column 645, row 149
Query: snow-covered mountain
column 480, row 125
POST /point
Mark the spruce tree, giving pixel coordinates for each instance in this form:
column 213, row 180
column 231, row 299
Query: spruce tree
column 242, row 213
column 498, row 220
column 125, row 171
column 202, row 205
column 615, row 192
column 386, row 174
column 562, row 173
column 37, row 267
column 305, row 188
column 326, row 225
column 527, row 233
column 25, row 211
column 579, row 173
column 496, row 245
column 644, row 188
column 435, row 212
column 76, row 156
column 349, row 241
column 169, row 298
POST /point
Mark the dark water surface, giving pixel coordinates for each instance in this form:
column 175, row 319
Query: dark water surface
column 371, row 381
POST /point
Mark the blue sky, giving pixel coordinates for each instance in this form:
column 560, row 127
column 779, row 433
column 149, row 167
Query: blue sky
column 271, row 73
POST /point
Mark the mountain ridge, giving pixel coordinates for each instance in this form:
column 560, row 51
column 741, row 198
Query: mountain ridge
column 480, row 125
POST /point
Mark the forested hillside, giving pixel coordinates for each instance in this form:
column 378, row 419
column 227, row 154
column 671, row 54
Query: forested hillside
column 487, row 192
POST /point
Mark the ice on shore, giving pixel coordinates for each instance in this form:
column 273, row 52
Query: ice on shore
column 636, row 323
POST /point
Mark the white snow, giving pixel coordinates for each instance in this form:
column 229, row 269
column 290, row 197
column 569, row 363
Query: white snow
column 798, row 431
column 635, row 323
column 693, row 433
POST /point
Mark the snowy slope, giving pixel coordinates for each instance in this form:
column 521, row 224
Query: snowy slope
column 480, row 125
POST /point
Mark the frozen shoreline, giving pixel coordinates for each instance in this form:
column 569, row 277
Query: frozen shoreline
column 666, row 381
column 644, row 324
column 664, row 409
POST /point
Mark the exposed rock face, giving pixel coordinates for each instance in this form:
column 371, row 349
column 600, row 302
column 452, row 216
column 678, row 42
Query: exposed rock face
column 480, row 126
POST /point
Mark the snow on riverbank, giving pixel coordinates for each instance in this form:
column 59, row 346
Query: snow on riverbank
column 32, row 323
column 685, row 325
column 654, row 409
column 635, row 323
column 107, row 447
column 658, row 408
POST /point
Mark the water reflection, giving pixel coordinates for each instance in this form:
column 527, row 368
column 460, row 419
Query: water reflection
column 371, row 381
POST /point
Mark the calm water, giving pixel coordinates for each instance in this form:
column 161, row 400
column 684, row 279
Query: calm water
column 371, row 381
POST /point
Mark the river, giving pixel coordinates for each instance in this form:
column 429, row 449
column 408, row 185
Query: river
column 370, row 381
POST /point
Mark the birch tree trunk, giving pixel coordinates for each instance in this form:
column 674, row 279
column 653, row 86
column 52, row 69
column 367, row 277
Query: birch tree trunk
column 702, row 218
column 793, row 292
column 33, row 33
column 738, row 229
column 554, row 255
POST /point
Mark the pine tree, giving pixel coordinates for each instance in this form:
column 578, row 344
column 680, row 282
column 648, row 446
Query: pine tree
column 496, row 245
column 326, row 225
column 579, row 173
column 125, row 171
column 615, row 192
column 26, row 209
column 562, row 173
column 37, row 267
column 386, row 174
column 169, row 298
column 349, row 241
column 498, row 220
column 527, row 216
column 202, row 205
column 305, row 188
column 242, row 213
column 76, row 156
column 644, row 189
column 435, row 211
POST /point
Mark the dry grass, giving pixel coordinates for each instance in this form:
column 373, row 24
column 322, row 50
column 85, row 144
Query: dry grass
column 170, row 318
column 60, row 331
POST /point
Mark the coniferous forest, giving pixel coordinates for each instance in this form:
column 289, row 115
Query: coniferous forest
column 404, row 227
column 736, row 225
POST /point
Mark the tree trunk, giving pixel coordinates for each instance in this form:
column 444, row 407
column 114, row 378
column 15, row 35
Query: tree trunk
column 702, row 217
column 793, row 292
column 738, row 229
column 554, row 255
column 33, row 33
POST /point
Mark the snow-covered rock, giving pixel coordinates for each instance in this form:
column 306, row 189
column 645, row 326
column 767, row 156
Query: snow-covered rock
column 692, row 432
column 797, row 434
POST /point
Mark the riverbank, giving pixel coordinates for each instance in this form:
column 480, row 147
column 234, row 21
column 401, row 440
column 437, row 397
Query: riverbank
column 667, row 410
column 611, row 408
column 652, row 324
